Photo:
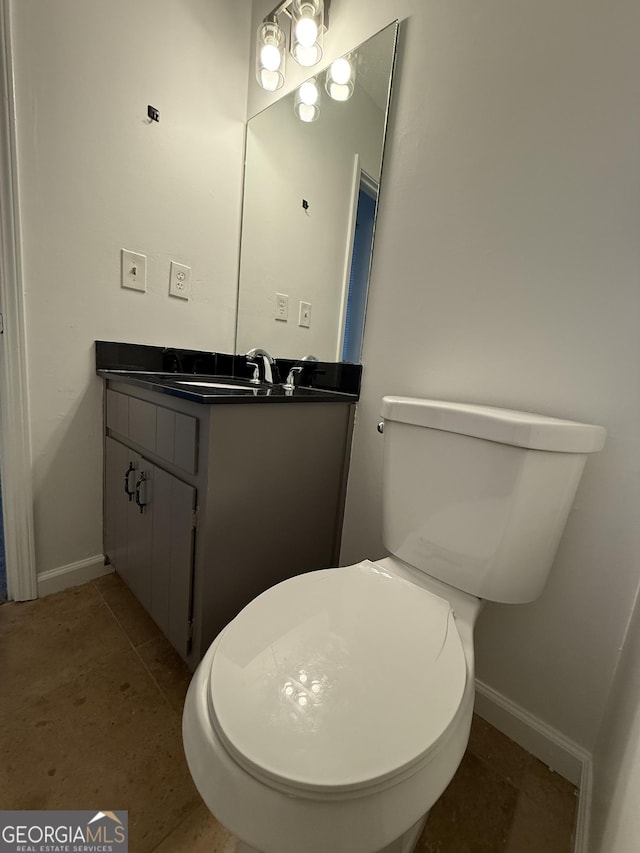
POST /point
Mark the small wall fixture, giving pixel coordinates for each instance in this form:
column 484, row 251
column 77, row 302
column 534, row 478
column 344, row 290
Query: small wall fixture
column 306, row 34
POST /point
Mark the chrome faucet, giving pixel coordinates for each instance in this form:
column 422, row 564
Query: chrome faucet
column 264, row 362
column 295, row 372
column 295, row 375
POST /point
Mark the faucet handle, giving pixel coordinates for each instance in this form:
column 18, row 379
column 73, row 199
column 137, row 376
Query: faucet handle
column 256, row 370
column 290, row 384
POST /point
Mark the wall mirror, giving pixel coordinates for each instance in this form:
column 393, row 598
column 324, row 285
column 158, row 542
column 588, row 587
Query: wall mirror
column 312, row 172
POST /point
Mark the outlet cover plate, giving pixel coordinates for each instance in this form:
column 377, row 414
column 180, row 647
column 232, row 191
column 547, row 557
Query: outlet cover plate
column 180, row 281
column 282, row 307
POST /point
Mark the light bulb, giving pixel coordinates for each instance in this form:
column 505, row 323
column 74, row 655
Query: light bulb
column 270, row 57
column 341, row 77
column 341, row 71
column 307, row 101
column 309, row 93
column 306, row 32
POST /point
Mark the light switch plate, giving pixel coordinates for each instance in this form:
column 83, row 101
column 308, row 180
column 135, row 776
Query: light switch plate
column 133, row 273
column 180, row 281
column 304, row 318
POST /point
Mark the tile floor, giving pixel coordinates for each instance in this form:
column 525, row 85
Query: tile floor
column 90, row 710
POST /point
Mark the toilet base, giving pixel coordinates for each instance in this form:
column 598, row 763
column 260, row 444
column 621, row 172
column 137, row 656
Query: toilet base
column 408, row 840
column 405, row 844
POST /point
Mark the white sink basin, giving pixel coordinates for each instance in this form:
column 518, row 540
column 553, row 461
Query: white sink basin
column 228, row 385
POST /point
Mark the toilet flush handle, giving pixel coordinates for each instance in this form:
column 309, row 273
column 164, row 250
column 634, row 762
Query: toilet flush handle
column 381, row 427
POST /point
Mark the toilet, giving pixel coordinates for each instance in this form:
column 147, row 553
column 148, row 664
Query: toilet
column 333, row 711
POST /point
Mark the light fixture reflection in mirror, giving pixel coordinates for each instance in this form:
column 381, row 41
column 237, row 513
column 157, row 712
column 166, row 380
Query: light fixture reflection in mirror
column 340, row 78
column 310, row 202
column 307, row 101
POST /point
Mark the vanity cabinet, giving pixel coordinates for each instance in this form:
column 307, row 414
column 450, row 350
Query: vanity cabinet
column 208, row 505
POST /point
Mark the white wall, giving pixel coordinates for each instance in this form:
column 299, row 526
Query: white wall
column 506, row 272
column 286, row 249
column 96, row 176
column 616, row 818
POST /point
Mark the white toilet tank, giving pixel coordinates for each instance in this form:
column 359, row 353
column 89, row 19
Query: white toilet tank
column 478, row 497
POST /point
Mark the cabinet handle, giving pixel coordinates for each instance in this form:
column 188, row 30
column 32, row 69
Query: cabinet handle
column 127, row 490
column 141, row 503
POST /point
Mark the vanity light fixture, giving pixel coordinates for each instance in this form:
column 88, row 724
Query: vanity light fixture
column 306, row 34
column 307, row 100
column 270, row 54
column 341, row 78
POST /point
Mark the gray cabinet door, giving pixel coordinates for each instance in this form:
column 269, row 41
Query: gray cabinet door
column 128, row 517
column 149, row 537
column 120, row 475
column 138, row 573
column 174, row 503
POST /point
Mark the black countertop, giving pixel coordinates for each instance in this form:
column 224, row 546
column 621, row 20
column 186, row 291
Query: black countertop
column 188, row 374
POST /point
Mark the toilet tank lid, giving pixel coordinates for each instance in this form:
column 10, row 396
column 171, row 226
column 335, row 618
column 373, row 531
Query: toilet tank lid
column 506, row 426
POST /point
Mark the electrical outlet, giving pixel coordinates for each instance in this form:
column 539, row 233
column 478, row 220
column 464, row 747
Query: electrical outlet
column 304, row 318
column 180, row 280
column 282, row 307
column 133, row 272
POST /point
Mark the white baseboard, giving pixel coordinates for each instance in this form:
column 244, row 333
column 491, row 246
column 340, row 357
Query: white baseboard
column 73, row 574
column 547, row 744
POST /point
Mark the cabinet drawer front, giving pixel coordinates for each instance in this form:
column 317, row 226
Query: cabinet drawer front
column 142, row 423
column 186, row 442
column 118, row 412
column 177, row 438
column 170, row 435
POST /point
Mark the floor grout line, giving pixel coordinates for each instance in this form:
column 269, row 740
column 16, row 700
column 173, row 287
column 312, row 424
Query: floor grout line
column 135, row 649
column 187, row 817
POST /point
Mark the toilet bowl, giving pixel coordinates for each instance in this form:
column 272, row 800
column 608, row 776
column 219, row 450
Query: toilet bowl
column 333, row 711
column 338, row 705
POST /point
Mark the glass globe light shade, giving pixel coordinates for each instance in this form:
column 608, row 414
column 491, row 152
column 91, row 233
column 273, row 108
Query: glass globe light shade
column 270, row 55
column 307, row 29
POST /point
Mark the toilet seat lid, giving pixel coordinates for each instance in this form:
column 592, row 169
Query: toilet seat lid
column 337, row 679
